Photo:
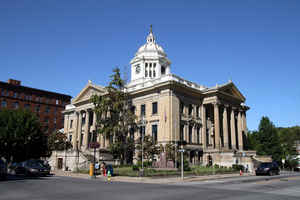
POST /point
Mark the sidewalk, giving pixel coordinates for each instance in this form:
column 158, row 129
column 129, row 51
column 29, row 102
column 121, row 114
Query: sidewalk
column 158, row 180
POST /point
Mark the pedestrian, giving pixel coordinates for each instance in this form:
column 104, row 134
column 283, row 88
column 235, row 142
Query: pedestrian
column 103, row 168
column 97, row 167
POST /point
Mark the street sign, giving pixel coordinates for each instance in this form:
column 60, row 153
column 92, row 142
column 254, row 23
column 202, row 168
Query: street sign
column 181, row 150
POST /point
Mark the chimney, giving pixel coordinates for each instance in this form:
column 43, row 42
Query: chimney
column 14, row 82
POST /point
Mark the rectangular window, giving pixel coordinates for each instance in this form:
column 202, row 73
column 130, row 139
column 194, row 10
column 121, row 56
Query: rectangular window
column 70, row 138
column 181, row 108
column 71, row 124
column 198, row 135
column 3, row 104
column 3, row 93
column 47, row 110
column 16, row 105
column 37, row 108
column 27, row 106
column 154, row 108
column 197, row 111
column 190, row 134
column 54, row 120
column 181, row 132
column 190, row 109
column 143, row 110
column 56, row 101
column 46, row 120
column 131, row 132
column 15, row 95
column 132, row 109
column 154, row 133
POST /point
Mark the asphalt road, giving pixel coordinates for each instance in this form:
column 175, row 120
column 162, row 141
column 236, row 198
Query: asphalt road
column 86, row 189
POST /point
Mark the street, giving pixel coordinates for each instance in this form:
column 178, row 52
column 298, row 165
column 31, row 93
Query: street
column 58, row 187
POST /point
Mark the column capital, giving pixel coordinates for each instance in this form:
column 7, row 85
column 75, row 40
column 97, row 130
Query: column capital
column 217, row 103
column 226, row 105
column 234, row 108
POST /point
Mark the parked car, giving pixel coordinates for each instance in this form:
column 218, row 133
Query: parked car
column 3, row 169
column 267, row 168
column 31, row 168
column 45, row 164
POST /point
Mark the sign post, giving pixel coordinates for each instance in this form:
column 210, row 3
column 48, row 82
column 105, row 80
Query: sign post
column 94, row 145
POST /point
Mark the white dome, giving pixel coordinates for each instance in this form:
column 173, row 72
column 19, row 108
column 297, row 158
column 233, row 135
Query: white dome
column 151, row 46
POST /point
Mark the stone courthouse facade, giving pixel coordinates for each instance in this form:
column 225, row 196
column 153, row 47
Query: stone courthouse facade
column 212, row 120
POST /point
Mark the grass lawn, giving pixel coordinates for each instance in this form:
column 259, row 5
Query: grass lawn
column 150, row 172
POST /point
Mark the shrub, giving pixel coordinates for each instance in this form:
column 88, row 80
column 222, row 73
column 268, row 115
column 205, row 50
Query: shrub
column 135, row 168
column 216, row 166
column 238, row 167
column 186, row 166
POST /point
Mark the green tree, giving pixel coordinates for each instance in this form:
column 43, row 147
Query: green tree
column 267, row 140
column 58, row 141
column 115, row 117
column 21, row 137
column 149, row 148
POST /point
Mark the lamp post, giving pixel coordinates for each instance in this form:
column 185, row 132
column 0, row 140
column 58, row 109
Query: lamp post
column 94, row 145
column 181, row 150
column 143, row 132
column 66, row 154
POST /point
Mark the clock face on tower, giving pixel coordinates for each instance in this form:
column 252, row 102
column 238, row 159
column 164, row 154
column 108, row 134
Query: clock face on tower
column 137, row 69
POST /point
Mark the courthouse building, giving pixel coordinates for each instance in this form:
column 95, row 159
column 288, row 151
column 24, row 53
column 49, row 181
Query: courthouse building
column 212, row 120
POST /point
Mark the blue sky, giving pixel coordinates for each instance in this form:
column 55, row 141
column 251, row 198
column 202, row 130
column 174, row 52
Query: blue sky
column 60, row 45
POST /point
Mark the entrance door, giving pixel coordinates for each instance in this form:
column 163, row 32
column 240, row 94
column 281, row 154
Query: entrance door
column 59, row 163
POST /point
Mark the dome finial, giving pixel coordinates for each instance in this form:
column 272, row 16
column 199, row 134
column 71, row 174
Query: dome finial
column 150, row 38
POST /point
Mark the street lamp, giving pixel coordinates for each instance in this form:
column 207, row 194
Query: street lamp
column 143, row 132
column 181, row 150
column 66, row 154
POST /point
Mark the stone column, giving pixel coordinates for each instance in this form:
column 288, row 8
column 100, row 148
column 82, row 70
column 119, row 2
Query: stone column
column 86, row 129
column 217, row 126
column 94, row 127
column 79, row 130
column 203, row 126
column 75, row 131
column 186, row 133
column 232, row 128
column 240, row 131
column 102, row 140
column 244, row 123
column 225, row 128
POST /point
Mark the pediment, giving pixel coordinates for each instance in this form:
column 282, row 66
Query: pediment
column 87, row 92
column 231, row 90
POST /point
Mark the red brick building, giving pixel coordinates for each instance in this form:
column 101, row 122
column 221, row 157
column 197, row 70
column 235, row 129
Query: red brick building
column 47, row 105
